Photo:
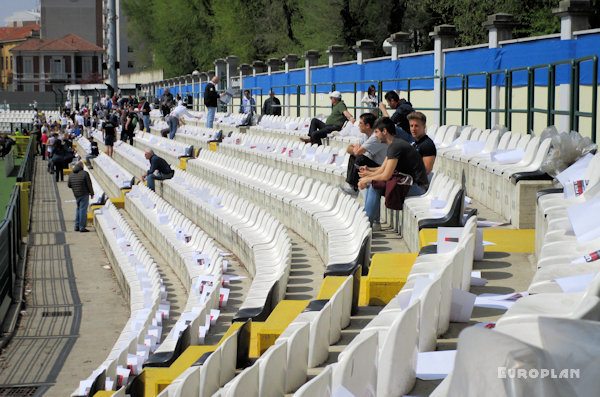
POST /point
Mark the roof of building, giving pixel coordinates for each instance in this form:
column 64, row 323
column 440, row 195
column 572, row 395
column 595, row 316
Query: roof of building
column 70, row 42
column 16, row 33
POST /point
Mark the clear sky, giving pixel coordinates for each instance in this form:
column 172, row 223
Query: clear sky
column 9, row 7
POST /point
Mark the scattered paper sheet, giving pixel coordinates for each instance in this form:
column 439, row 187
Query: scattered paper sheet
column 462, row 306
column 435, row 365
column 586, row 227
column 575, row 171
column 341, row 391
column 477, row 280
column 576, row 283
column 498, row 301
column 223, row 297
column 420, row 284
column 487, row 243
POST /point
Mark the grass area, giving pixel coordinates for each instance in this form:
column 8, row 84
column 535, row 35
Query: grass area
column 7, row 184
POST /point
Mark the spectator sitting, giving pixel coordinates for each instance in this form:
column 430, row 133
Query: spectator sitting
column 371, row 153
column 423, row 144
column 403, row 108
column 6, row 143
column 159, row 169
column 370, row 99
column 401, row 157
column 272, row 105
column 335, row 121
column 93, row 152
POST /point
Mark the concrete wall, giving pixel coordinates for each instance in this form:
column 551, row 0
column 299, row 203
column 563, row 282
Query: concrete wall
column 144, row 77
column 80, row 17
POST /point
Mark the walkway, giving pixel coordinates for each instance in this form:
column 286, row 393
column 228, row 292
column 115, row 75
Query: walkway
column 74, row 308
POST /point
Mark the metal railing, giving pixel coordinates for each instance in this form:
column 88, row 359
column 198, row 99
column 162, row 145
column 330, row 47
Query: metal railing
column 10, row 252
column 26, row 170
column 506, row 77
column 467, row 86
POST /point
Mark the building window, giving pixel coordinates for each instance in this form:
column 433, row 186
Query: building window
column 130, row 64
column 57, row 67
column 129, row 49
column 86, row 65
column 27, row 67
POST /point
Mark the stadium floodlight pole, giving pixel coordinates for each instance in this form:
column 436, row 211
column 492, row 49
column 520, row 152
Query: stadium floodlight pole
column 112, row 43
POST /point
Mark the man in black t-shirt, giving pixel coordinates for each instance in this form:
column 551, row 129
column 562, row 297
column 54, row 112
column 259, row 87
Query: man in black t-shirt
column 423, row 144
column 94, row 152
column 401, row 157
column 108, row 133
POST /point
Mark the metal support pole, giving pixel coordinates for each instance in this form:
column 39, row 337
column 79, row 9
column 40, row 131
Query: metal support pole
column 112, row 39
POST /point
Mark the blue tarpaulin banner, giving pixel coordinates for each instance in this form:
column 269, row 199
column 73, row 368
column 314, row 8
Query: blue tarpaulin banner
column 394, row 74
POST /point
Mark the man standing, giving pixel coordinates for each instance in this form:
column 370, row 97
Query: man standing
column 109, row 135
column 423, row 144
column 81, row 184
column 166, row 101
column 248, row 105
column 272, row 105
column 211, row 97
column 159, row 169
column 371, row 153
column 401, row 157
column 403, row 108
column 335, row 121
column 145, row 109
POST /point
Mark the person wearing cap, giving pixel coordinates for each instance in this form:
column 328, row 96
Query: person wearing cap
column 339, row 114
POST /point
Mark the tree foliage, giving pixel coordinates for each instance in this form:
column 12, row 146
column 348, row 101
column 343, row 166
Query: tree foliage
column 183, row 35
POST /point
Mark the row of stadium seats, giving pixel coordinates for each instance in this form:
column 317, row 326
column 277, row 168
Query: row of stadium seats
column 329, row 220
column 502, row 169
column 324, row 163
column 140, row 281
column 382, row 359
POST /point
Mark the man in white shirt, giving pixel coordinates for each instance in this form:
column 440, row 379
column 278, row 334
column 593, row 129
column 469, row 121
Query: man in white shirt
column 248, row 104
column 79, row 119
column 173, row 119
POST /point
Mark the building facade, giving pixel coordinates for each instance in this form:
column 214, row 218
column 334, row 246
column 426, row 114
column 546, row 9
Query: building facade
column 11, row 37
column 48, row 64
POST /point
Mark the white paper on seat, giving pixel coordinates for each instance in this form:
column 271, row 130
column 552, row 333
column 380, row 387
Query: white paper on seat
column 576, row 283
column 201, row 334
column 420, row 284
column 341, row 391
column 586, row 227
column 508, row 156
column 223, row 297
column 435, row 365
column 498, row 301
column 572, row 189
column 448, row 238
column 214, row 315
column 472, row 147
column 462, row 306
column 477, row 280
column 575, row 171
column 122, row 375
